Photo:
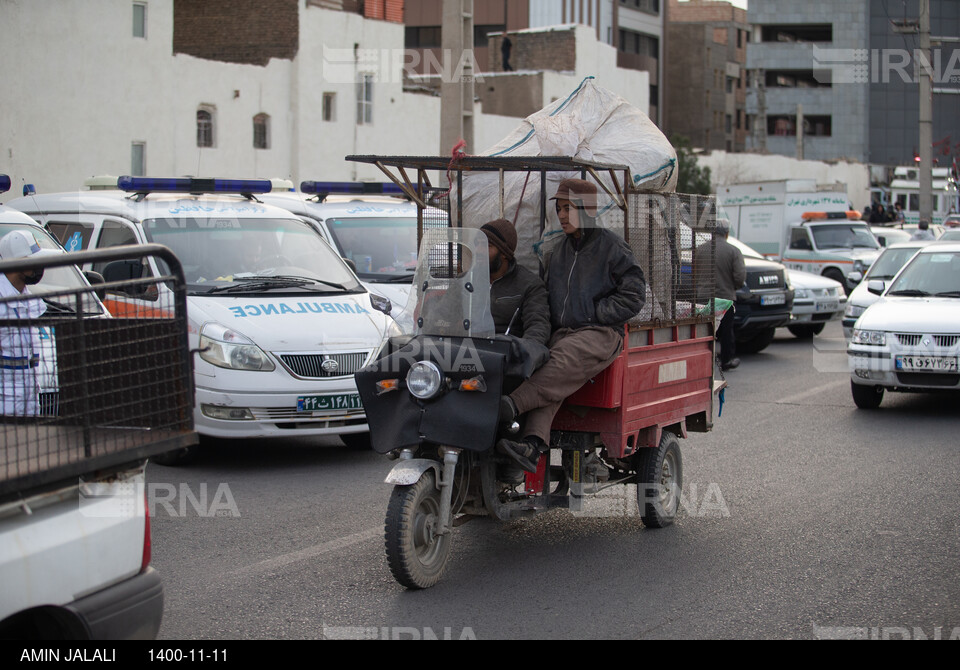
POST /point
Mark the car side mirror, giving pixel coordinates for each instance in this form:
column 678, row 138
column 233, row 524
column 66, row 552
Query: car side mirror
column 381, row 304
column 854, row 278
column 876, row 286
column 95, row 279
column 125, row 271
column 351, row 264
column 882, row 239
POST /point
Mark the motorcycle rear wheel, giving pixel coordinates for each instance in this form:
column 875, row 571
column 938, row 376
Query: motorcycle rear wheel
column 416, row 553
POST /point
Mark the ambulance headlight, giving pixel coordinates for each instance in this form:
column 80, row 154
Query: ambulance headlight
column 227, row 348
column 424, row 381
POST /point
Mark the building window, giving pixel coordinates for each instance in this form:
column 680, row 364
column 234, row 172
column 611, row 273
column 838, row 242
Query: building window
column 365, row 99
column 329, row 106
column 205, row 129
column 794, row 79
column 813, row 125
column 649, row 6
column 138, row 159
column 261, row 131
column 139, row 19
column 797, row 33
column 632, row 42
column 422, row 37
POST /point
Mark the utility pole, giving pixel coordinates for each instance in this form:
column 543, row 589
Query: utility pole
column 926, row 115
column 799, row 132
column 457, row 87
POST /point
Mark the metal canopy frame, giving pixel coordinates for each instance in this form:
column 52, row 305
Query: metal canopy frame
column 395, row 168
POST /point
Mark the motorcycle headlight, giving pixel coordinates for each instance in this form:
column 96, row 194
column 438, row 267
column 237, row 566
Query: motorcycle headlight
column 876, row 338
column 229, row 349
column 424, row 381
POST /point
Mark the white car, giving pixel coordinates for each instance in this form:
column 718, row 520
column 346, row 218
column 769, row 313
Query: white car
column 280, row 321
column 885, row 268
column 817, row 300
column 909, row 340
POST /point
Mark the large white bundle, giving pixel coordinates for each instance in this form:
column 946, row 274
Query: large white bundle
column 591, row 124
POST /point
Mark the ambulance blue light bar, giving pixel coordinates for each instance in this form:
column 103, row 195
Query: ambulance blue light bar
column 192, row 185
column 4, row 183
column 350, row 188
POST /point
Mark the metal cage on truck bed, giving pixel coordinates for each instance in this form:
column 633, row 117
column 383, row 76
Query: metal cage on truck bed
column 663, row 378
column 91, row 392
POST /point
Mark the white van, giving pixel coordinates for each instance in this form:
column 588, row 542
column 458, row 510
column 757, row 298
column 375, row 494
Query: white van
column 370, row 224
column 280, row 321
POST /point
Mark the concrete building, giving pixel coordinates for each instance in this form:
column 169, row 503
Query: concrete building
column 847, row 69
column 232, row 88
column 635, row 28
column 706, row 74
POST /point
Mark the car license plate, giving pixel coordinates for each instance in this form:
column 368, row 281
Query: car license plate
column 773, row 299
column 926, row 364
column 832, row 306
column 319, row 403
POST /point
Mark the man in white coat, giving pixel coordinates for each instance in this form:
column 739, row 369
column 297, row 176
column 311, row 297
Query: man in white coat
column 19, row 346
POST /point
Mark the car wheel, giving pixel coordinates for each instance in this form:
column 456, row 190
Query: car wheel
column 836, row 275
column 177, row 457
column 757, row 343
column 866, row 396
column 806, row 332
column 357, row 441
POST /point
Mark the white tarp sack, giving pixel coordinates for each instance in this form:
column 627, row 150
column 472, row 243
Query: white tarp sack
column 591, row 124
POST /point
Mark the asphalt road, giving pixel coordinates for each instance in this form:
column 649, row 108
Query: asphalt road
column 802, row 517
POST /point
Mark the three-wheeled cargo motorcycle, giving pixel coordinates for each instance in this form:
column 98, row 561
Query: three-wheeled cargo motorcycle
column 432, row 396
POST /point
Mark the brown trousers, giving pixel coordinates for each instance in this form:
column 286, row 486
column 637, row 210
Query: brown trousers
column 576, row 356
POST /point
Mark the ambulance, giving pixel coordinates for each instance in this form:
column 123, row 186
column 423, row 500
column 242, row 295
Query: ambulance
column 370, row 224
column 279, row 321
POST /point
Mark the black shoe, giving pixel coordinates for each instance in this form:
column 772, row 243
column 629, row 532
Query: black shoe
column 508, row 410
column 508, row 473
column 523, row 453
column 730, row 365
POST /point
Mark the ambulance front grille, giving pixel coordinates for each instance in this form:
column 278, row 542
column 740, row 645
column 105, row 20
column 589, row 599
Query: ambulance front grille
column 324, row 366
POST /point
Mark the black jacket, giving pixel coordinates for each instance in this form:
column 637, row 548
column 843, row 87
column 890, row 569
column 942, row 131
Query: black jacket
column 594, row 282
column 520, row 289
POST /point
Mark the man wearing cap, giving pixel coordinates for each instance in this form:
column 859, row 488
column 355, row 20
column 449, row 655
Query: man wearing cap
column 19, row 347
column 594, row 286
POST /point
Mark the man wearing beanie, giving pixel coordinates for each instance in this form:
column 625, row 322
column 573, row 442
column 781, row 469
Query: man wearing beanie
column 594, row 286
column 518, row 298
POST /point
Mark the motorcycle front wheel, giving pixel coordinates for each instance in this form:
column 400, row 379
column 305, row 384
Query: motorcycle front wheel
column 416, row 553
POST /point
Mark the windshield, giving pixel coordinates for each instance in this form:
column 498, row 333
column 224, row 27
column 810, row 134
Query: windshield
column 382, row 248
column 950, row 235
column 252, row 255
column 930, row 274
column 744, row 249
column 844, row 236
column 63, row 280
column 889, row 263
column 451, row 295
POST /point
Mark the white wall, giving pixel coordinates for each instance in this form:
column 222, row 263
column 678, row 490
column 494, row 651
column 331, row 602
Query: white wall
column 728, row 169
column 75, row 100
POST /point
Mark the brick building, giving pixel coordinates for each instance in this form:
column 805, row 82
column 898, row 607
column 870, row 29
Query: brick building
column 707, row 82
column 635, row 28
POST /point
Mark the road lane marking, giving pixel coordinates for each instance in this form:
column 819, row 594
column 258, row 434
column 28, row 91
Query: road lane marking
column 278, row 562
column 790, row 399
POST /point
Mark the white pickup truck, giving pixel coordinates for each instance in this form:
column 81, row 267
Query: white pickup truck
column 75, row 541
